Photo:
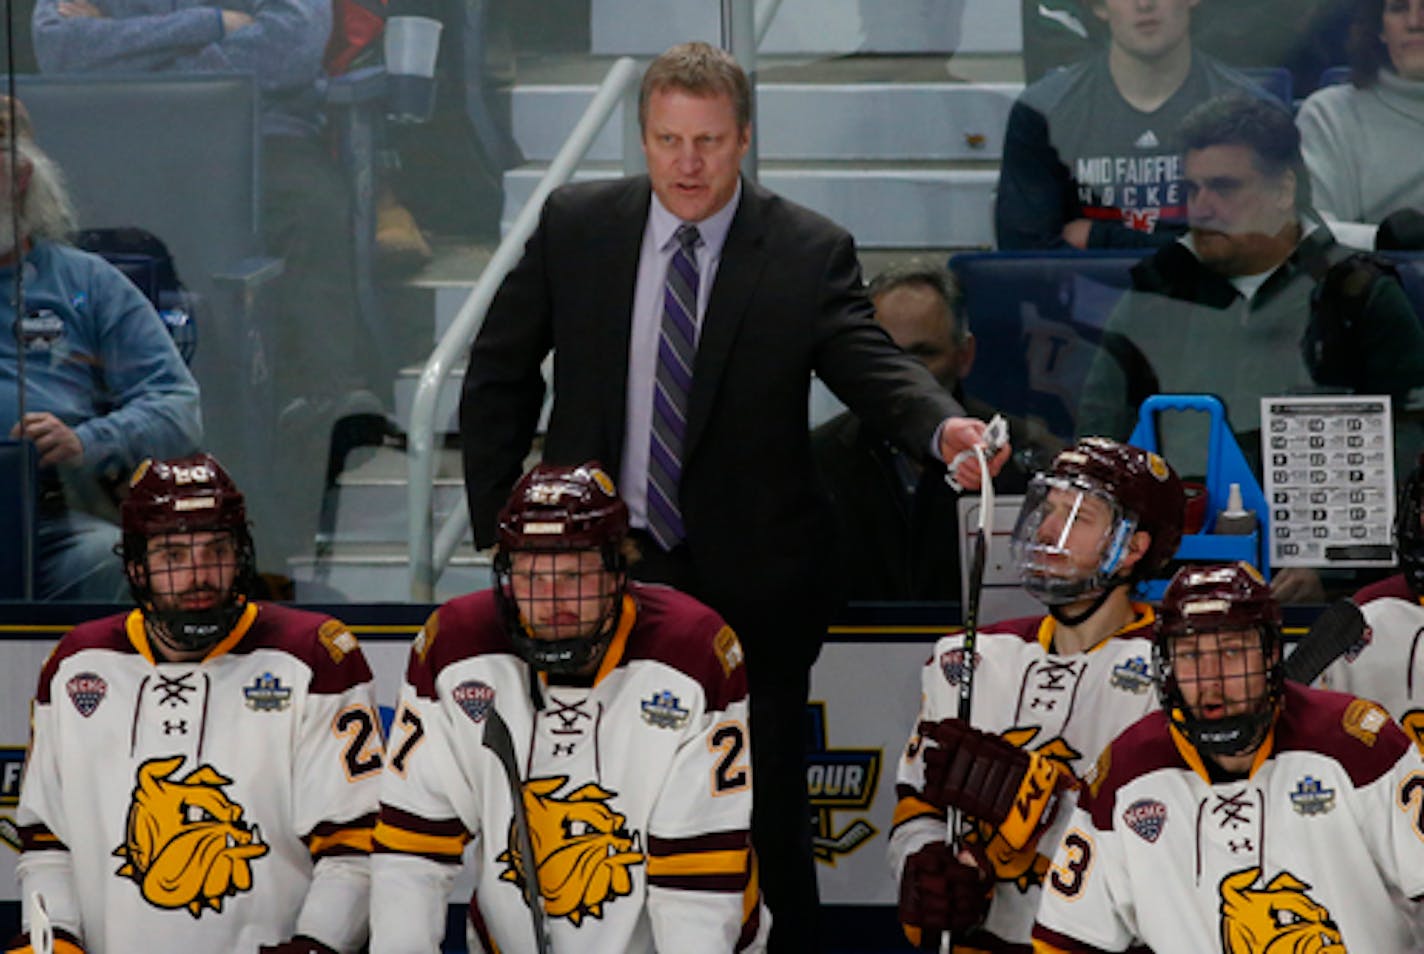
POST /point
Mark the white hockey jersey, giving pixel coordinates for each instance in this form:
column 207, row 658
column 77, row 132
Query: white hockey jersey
column 1318, row 850
column 1389, row 667
column 172, row 808
column 1068, row 707
column 637, row 789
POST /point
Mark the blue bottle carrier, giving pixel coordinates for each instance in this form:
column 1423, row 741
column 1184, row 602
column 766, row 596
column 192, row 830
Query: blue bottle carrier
column 1226, row 465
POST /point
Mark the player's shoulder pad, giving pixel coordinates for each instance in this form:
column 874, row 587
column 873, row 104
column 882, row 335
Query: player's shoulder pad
column 1394, row 587
column 1144, row 747
column 466, row 626
column 689, row 636
column 1355, row 733
column 326, row 644
column 106, row 634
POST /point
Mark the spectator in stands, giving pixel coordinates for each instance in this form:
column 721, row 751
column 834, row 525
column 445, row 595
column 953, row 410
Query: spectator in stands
column 320, row 369
column 1353, row 137
column 1305, row 37
column 103, row 383
column 1089, row 160
column 1224, row 310
column 896, row 518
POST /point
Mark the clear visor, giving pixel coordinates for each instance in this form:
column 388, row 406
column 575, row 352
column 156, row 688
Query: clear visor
column 1069, row 539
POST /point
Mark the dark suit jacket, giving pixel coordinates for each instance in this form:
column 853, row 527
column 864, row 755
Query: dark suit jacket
column 787, row 301
column 896, row 545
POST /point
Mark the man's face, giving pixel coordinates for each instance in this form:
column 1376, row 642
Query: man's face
column 919, row 322
column 562, row 595
column 1403, row 36
column 694, row 150
column 1147, row 29
column 192, row 571
column 1235, row 211
column 1076, row 526
column 1221, row 674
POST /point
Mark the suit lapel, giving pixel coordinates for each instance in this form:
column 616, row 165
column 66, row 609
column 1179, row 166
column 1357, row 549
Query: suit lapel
column 624, row 238
column 737, row 275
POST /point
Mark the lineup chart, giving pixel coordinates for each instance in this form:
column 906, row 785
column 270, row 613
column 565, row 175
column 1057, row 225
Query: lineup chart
column 1328, row 467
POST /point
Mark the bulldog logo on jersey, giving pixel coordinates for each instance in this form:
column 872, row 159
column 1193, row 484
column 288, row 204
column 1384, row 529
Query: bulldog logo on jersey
column 186, row 845
column 582, row 848
column 1279, row 918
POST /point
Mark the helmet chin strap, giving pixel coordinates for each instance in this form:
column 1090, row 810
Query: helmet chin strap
column 1066, row 618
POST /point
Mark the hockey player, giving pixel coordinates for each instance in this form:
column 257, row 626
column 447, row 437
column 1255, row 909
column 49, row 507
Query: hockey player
column 1388, row 665
column 1049, row 693
column 1250, row 813
column 204, row 770
column 627, row 705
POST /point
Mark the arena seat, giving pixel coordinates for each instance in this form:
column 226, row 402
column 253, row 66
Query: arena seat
column 1037, row 317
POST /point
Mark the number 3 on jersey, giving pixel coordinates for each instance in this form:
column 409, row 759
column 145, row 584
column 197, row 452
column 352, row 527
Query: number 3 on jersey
column 1077, row 855
column 728, row 742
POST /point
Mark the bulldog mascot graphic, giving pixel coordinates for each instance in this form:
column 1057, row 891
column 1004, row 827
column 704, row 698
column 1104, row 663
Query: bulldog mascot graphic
column 186, row 845
column 582, row 848
column 1279, row 918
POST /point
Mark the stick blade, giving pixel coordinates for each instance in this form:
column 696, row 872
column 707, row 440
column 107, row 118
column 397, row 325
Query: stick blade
column 1334, row 633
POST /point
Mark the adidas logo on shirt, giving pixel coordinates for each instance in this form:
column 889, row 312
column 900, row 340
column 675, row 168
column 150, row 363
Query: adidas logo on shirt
column 1147, row 140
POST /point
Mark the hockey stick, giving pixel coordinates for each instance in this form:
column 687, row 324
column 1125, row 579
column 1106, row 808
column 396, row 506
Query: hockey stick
column 41, row 931
column 1335, row 632
column 498, row 741
column 995, row 435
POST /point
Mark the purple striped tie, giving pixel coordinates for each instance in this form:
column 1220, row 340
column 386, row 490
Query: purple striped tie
column 677, row 344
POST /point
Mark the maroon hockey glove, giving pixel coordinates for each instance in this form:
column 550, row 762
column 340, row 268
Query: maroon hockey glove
column 301, row 944
column 940, row 893
column 975, row 772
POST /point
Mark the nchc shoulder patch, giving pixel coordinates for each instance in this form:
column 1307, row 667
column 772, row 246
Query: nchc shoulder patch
column 1364, row 720
column 337, row 639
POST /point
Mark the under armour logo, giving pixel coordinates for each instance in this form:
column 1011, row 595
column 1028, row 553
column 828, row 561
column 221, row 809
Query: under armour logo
column 1237, row 847
column 174, row 689
column 1039, row 702
column 180, row 727
column 561, row 748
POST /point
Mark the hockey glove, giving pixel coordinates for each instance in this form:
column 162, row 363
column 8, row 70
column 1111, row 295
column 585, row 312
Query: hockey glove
column 991, row 780
column 64, row 943
column 938, row 893
column 301, row 944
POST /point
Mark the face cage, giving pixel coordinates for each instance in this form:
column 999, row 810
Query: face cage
column 569, row 655
column 1231, row 735
column 1040, row 569
column 191, row 630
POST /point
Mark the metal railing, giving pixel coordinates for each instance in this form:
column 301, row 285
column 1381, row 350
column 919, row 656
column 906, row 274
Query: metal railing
column 429, row 552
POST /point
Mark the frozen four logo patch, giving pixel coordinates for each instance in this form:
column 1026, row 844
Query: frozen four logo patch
column 86, row 691
column 1147, row 817
column 267, row 694
column 664, row 711
column 1311, row 797
column 475, row 698
column 1133, row 675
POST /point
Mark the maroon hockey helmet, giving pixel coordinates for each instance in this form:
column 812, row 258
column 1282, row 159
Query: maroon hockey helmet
column 1143, row 492
column 1216, row 598
column 183, row 496
column 562, row 509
